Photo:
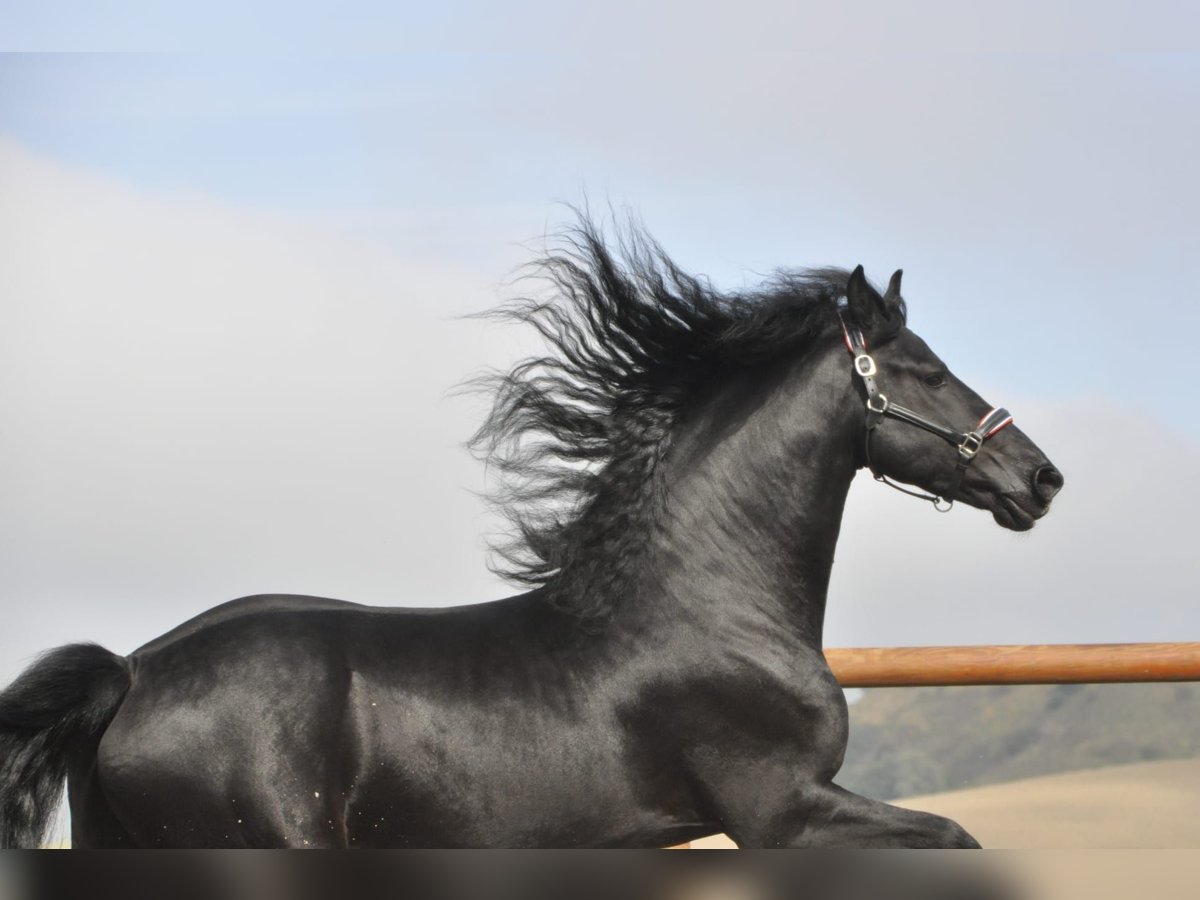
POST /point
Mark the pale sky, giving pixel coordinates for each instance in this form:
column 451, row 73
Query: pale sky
column 229, row 286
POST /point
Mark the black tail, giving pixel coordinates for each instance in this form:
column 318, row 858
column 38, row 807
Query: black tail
column 59, row 705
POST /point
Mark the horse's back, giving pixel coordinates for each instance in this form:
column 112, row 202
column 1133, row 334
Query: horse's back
column 240, row 608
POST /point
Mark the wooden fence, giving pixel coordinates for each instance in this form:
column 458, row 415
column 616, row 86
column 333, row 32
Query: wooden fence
column 1014, row 664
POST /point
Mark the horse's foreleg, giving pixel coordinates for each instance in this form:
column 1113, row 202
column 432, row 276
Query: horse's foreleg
column 829, row 816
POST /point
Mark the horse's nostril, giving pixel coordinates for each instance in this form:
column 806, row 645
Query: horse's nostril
column 1047, row 481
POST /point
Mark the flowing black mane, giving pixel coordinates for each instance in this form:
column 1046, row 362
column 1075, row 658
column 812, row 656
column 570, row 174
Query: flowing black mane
column 577, row 434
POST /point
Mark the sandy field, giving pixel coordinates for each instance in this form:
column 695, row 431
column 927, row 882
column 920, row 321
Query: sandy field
column 1146, row 805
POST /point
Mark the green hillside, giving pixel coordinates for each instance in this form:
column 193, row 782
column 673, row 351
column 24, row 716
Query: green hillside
column 907, row 741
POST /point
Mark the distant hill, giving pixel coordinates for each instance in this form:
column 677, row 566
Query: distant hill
column 910, row 741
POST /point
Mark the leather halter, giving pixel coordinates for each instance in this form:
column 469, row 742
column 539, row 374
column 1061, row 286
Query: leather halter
column 968, row 443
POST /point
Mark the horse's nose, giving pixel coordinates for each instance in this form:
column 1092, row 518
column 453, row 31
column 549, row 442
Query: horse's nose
column 1047, row 481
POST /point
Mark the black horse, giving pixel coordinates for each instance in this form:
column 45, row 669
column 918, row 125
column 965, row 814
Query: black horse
column 676, row 469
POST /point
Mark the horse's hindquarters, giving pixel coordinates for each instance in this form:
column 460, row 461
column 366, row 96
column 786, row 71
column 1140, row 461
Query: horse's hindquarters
column 230, row 739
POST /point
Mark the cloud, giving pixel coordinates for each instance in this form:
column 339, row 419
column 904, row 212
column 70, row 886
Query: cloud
column 199, row 402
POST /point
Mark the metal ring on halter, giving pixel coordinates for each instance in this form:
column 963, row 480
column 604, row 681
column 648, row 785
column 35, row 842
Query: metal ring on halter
column 864, row 364
column 971, row 444
column 883, row 403
column 937, row 501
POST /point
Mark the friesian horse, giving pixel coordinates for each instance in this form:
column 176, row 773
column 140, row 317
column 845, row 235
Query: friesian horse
column 675, row 469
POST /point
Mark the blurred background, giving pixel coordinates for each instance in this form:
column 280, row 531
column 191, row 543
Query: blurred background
column 232, row 283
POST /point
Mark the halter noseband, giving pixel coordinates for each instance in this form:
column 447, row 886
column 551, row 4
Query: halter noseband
column 968, row 443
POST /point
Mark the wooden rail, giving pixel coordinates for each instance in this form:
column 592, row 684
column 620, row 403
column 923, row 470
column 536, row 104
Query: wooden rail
column 1014, row 664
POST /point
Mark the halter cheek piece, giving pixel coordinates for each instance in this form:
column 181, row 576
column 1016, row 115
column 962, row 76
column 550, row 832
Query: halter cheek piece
column 879, row 407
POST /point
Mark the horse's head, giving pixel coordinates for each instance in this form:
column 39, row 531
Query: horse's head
column 926, row 428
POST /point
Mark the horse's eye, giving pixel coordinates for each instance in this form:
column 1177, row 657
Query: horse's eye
column 935, row 379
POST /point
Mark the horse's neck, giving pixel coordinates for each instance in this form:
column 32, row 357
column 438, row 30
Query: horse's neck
column 755, row 492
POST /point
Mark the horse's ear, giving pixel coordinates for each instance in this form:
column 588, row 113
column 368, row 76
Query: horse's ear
column 867, row 307
column 893, row 303
column 892, row 295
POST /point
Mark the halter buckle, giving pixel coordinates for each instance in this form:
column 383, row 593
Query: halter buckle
column 864, row 365
column 883, row 404
column 971, row 444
